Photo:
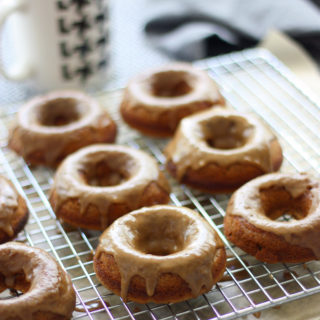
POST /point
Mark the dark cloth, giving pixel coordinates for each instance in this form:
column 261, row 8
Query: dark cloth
column 194, row 29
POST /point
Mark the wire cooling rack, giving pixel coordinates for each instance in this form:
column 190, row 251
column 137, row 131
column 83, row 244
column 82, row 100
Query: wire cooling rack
column 251, row 81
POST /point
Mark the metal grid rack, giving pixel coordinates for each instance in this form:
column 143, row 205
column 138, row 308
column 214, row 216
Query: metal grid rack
column 250, row 80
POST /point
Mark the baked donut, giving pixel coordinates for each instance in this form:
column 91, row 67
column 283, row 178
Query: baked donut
column 252, row 219
column 50, row 127
column 160, row 254
column 220, row 149
column 156, row 101
column 13, row 211
column 97, row 184
column 48, row 292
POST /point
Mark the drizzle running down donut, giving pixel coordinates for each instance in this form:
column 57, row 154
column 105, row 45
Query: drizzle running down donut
column 50, row 127
column 97, row 184
column 160, row 254
column 13, row 211
column 48, row 292
column 218, row 150
column 156, row 101
column 252, row 220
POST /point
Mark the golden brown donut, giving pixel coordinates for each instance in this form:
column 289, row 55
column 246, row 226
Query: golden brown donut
column 252, row 219
column 156, row 101
column 220, row 149
column 160, row 254
column 97, row 184
column 50, row 127
column 13, row 211
column 48, row 292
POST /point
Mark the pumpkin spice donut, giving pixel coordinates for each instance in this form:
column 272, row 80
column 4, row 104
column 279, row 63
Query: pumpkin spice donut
column 254, row 218
column 97, row 184
column 47, row 290
column 172, row 252
column 220, row 149
column 50, row 127
column 13, row 211
column 156, row 101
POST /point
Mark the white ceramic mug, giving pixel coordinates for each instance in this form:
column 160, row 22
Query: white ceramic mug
column 59, row 43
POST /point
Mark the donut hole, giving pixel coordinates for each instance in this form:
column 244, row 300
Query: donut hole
column 170, row 84
column 278, row 204
column 108, row 172
column 226, row 133
column 13, row 286
column 170, row 235
column 60, row 112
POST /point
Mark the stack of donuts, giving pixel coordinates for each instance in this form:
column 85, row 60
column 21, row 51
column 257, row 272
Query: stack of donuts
column 150, row 251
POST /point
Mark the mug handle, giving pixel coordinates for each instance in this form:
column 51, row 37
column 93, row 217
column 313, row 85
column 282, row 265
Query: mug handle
column 20, row 72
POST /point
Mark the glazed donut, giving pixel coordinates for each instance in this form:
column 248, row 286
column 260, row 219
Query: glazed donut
column 48, row 292
column 100, row 183
column 155, row 102
column 218, row 150
column 252, row 218
column 13, row 211
column 50, row 127
column 160, row 254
